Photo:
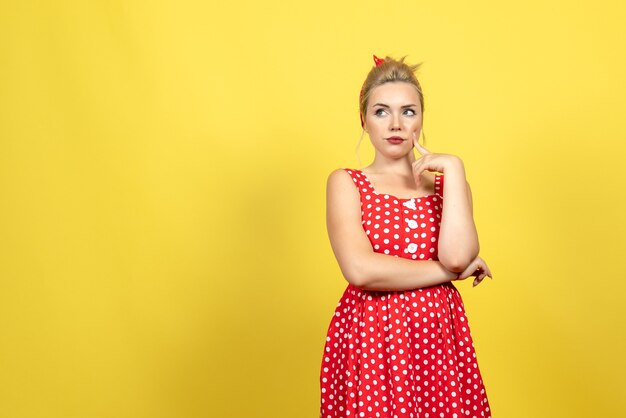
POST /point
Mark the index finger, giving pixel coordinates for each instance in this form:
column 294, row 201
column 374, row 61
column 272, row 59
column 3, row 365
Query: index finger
column 418, row 146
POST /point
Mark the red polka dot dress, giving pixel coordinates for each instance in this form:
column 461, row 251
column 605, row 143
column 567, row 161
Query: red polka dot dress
column 401, row 354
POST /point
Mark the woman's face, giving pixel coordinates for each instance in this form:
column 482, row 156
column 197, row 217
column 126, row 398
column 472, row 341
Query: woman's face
column 392, row 117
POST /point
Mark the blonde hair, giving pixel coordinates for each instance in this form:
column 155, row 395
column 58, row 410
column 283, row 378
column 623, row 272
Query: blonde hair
column 386, row 72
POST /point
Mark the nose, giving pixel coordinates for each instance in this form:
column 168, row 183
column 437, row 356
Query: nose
column 395, row 122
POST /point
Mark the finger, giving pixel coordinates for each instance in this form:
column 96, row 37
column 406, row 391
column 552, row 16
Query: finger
column 468, row 271
column 414, row 140
column 418, row 147
column 488, row 272
column 417, row 173
column 418, row 169
column 473, row 266
column 479, row 279
column 416, row 144
column 415, row 137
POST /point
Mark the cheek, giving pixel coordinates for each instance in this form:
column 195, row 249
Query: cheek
column 416, row 122
column 374, row 129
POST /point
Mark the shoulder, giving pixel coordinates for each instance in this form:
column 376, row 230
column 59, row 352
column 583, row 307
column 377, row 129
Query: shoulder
column 343, row 181
column 341, row 177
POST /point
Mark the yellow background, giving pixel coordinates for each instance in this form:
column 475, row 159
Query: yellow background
column 163, row 250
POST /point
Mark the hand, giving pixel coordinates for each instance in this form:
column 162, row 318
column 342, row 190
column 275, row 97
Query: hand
column 477, row 268
column 431, row 162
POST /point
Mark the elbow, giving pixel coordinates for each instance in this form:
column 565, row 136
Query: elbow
column 456, row 264
column 354, row 278
column 355, row 274
column 457, row 261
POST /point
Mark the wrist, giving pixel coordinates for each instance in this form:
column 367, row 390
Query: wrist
column 454, row 166
column 453, row 163
column 449, row 275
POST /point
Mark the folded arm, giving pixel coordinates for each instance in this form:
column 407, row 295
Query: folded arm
column 458, row 238
column 360, row 265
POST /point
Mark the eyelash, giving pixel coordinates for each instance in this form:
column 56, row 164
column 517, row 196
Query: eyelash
column 377, row 112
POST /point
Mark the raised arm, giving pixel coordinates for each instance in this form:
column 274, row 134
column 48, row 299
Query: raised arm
column 360, row 265
column 458, row 238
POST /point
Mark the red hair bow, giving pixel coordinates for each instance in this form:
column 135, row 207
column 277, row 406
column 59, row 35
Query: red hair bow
column 377, row 62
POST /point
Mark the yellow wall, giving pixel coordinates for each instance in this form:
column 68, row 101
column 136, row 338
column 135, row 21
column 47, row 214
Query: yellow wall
column 163, row 250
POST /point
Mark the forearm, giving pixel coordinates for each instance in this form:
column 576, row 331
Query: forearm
column 382, row 272
column 458, row 238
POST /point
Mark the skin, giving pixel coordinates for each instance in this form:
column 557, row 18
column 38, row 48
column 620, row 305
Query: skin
column 394, row 110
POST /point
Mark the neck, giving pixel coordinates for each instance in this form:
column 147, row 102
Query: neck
column 400, row 166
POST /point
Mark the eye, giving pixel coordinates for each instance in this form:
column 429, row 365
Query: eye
column 410, row 112
column 379, row 112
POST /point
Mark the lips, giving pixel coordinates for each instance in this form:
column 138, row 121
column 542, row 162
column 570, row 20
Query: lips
column 395, row 140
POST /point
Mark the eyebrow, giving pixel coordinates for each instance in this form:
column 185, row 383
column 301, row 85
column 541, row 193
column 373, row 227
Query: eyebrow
column 402, row 107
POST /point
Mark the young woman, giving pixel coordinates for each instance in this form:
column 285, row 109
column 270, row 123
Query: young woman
column 399, row 344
